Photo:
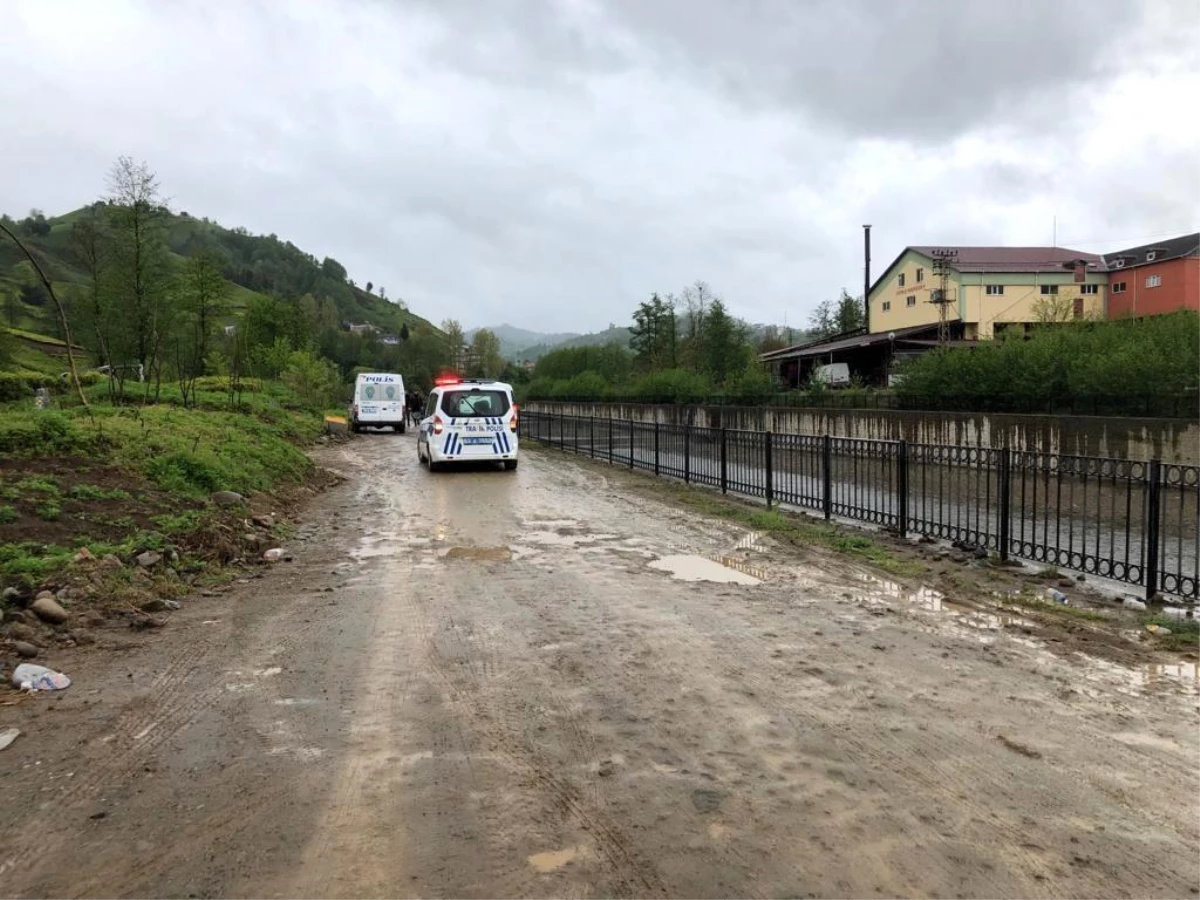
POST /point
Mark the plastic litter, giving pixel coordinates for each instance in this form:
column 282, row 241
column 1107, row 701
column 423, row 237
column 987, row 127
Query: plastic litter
column 1133, row 603
column 28, row 677
column 1057, row 596
column 275, row 554
column 1158, row 629
column 8, row 735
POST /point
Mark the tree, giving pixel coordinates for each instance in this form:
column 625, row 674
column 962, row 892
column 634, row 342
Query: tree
column 35, row 225
column 202, row 296
column 139, row 274
column 88, row 244
column 653, row 334
column 1049, row 309
column 456, row 341
column 771, row 340
column 404, row 332
column 837, row 316
column 331, row 268
column 722, row 348
column 369, row 287
column 382, row 292
column 486, row 352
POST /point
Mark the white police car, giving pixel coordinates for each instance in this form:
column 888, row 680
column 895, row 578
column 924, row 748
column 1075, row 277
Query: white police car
column 466, row 421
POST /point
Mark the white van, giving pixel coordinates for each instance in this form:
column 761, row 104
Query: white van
column 834, row 375
column 378, row 402
column 469, row 421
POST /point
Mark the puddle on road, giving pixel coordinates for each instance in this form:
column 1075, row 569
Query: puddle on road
column 481, row 554
column 723, row 570
column 553, row 860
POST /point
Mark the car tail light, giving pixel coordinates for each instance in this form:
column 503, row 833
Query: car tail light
column 437, row 425
column 512, row 423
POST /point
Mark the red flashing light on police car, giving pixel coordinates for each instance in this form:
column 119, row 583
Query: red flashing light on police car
column 448, row 379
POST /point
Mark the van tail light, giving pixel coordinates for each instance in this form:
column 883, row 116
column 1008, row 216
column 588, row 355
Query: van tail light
column 512, row 423
column 438, row 425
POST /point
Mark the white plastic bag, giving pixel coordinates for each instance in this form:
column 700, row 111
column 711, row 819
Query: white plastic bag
column 28, row 677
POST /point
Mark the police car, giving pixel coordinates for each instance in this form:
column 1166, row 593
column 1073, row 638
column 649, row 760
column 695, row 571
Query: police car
column 467, row 421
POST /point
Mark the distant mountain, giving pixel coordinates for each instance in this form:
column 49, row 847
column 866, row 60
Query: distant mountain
column 612, row 334
column 513, row 340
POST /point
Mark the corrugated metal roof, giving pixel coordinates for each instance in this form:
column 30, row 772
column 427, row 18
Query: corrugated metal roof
column 1015, row 259
column 823, row 347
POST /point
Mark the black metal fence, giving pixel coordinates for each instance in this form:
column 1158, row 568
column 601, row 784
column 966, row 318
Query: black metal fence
column 1133, row 522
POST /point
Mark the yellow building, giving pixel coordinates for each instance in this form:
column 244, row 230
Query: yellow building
column 988, row 289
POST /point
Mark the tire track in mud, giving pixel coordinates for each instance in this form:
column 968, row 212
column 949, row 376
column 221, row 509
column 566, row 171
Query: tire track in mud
column 490, row 712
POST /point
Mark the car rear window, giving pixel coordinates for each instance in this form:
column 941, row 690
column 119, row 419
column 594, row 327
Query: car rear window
column 469, row 404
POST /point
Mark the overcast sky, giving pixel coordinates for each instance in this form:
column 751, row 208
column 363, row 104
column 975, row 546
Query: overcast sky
column 549, row 164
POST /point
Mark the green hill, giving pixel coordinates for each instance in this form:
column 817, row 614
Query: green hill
column 255, row 265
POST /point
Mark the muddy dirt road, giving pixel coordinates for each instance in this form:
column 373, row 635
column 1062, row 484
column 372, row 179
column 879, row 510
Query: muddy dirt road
column 541, row 684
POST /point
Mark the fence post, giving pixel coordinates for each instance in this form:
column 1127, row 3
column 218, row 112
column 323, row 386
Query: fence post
column 592, row 435
column 724, row 464
column 631, row 444
column 827, row 476
column 770, row 482
column 656, row 446
column 562, row 431
column 902, row 488
column 687, row 453
column 575, row 446
column 1153, row 505
column 1005, row 501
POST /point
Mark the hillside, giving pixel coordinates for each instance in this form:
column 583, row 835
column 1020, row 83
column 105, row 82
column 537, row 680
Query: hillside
column 514, row 341
column 255, row 265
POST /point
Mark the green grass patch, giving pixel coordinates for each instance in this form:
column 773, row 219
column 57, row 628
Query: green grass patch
column 49, row 511
column 93, row 492
column 8, row 515
column 795, row 530
column 38, row 485
column 1184, row 633
column 1028, row 601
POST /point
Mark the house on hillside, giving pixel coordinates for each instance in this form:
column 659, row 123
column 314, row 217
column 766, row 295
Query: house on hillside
column 364, row 328
column 988, row 290
column 1155, row 278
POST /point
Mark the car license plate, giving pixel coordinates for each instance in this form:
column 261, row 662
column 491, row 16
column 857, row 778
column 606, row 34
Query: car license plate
column 478, row 440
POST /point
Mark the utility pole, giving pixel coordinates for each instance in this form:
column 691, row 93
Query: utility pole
column 943, row 262
column 867, row 277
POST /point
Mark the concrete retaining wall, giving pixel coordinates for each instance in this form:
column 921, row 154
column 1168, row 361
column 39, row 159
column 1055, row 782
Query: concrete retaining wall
column 1172, row 441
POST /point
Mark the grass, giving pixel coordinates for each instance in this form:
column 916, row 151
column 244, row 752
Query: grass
column 1029, row 601
column 795, row 530
column 8, row 515
column 1185, row 633
column 92, row 492
column 50, row 511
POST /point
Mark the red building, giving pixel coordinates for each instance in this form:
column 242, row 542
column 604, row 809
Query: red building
column 1154, row 279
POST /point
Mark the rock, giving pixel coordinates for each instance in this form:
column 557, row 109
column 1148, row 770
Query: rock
column 148, row 559
column 109, row 561
column 46, row 608
column 21, row 631
column 10, row 595
column 1066, row 582
column 156, row 605
column 250, row 539
column 1081, row 577
column 980, row 553
column 263, row 521
column 141, row 575
column 82, row 638
column 227, row 498
column 606, row 769
column 25, row 649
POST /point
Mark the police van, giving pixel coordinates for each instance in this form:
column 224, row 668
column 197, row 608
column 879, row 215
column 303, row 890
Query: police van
column 468, row 421
column 378, row 402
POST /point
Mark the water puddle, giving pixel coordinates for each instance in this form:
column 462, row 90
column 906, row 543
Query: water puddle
column 552, row 860
column 480, row 554
column 723, row 570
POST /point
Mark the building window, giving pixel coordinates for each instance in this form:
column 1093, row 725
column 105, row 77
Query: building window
column 900, row 279
column 1153, row 281
column 1077, row 307
column 1089, row 289
column 887, row 305
column 1119, row 287
column 920, row 275
column 1150, row 256
column 995, row 290
column 1049, row 289
column 910, row 300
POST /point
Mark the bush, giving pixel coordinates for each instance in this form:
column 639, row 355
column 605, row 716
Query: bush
column 752, row 385
column 672, row 386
